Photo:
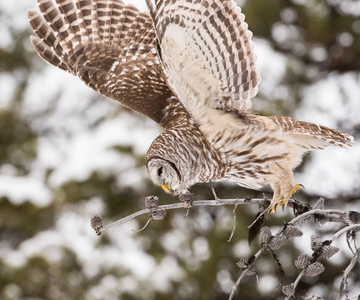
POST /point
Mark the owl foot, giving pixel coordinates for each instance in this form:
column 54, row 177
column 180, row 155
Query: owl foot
column 274, row 204
column 296, row 188
column 273, row 207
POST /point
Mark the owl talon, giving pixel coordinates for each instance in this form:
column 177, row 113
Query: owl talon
column 296, row 188
column 283, row 204
column 274, row 206
column 271, row 210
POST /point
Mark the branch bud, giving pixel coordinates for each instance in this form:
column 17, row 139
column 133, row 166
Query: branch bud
column 302, row 261
column 314, row 269
column 97, row 224
column 158, row 214
column 288, row 290
column 151, row 201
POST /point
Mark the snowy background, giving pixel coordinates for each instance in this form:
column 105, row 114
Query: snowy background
column 80, row 133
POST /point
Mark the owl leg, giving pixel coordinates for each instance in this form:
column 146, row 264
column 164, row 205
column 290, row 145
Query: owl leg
column 284, row 189
column 274, row 204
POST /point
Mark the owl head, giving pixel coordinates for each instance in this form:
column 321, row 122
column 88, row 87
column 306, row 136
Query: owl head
column 180, row 157
column 165, row 173
column 170, row 163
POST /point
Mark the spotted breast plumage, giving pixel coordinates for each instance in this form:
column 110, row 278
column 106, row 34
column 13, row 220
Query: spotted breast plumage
column 189, row 65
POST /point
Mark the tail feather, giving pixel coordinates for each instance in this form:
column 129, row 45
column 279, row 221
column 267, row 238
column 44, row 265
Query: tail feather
column 314, row 136
column 326, row 136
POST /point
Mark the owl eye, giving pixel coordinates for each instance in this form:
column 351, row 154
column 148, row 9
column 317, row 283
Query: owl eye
column 159, row 171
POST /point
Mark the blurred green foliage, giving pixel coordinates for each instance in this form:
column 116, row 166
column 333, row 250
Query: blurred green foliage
column 319, row 24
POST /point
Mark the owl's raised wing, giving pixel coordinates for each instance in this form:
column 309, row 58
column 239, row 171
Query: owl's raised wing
column 207, row 54
column 109, row 45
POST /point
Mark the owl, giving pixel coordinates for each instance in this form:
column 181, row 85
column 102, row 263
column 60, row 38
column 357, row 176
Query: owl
column 190, row 66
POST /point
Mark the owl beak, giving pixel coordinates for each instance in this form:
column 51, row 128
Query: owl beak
column 165, row 188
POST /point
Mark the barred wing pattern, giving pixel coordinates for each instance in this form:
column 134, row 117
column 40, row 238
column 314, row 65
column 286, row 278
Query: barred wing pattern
column 207, row 44
column 109, row 45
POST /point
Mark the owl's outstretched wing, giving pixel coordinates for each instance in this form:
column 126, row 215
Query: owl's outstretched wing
column 109, row 45
column 207, row 54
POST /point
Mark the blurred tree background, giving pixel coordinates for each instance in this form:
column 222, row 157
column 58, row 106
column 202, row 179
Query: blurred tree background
column 67, row 153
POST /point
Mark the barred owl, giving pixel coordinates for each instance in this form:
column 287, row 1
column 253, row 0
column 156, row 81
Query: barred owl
column 188, row 65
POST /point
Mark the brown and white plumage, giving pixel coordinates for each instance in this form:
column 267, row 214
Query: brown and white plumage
column 207, row 55
column 108, row 45
column 188, row 65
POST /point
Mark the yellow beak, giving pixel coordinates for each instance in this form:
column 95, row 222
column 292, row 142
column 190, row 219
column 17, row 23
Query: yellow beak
column 165, row 188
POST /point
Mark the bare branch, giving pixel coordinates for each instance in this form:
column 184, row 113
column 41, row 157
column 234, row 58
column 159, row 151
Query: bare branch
column 344, row 230
column 323, row 250
column 234, row 226
column 289, row 290
column 309, row 266
column 343, row 285
column 146, row 225
column 328, row 215
column 217, row 202
column 266, row 211
column 244, row 271
column 214, row 193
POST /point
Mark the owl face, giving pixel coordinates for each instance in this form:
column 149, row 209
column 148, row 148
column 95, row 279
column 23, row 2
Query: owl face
column 165, row 173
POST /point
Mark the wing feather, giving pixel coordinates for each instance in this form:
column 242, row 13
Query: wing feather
column 207, row 53
column 109, row 45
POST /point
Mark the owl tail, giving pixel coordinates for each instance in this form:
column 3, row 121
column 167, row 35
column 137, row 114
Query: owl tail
column 78, row 36
column 313, row 136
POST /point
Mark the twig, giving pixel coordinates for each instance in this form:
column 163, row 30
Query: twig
column 344, row 230
column 214, row 193
column 319, row 214
column 296, row 282
column 146, row 225
column 331, row 216
column 347, row 271
column 243, row 273
column 356, row 257
column 328, row 213
column 234, row 225
column 217, row 202
column 255, row 257
column 268, row 209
